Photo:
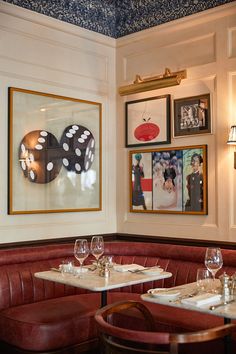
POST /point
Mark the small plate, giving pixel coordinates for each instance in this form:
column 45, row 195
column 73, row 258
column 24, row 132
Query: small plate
column 163, row 293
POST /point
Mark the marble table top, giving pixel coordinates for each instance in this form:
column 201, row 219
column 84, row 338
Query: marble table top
column 92, row 281
column 226, row 310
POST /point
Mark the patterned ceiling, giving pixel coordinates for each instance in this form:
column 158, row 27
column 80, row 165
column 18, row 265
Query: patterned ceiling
column 117, row 18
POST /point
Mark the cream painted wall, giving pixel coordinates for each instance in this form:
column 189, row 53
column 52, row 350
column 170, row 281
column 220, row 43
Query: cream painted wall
column 42, row 54
column 35, row 53
column 205, row 45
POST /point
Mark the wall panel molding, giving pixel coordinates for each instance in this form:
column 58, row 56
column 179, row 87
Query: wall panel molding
column 199, row 45
column 181, row 54
column 232, row 42
column 46, row 55
column 66, row 59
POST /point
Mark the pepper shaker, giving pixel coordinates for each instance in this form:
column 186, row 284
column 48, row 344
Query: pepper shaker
column 233, row 284
column 106, row 270
column 226, row 285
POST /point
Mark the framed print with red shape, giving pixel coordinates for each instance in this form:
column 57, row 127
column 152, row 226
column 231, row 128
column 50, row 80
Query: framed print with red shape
column 148, row 121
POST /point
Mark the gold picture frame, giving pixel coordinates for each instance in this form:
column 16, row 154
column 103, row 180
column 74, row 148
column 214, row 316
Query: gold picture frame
column 54, row 153
column 169, row 180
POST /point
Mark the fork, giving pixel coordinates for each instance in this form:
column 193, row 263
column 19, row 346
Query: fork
column 186, row 296
column 141, row 270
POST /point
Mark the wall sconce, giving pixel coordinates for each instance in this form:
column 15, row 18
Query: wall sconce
column 153, row 83
column 232, row 140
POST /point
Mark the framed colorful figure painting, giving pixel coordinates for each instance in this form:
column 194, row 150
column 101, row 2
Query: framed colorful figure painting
column 169, row 180
column 54, row 153
column 148, row 121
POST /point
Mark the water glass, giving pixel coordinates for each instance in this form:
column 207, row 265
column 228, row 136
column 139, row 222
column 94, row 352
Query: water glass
column 204, row 280
column 66, row 267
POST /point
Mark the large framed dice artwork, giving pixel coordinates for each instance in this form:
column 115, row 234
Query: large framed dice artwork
column 54, row 153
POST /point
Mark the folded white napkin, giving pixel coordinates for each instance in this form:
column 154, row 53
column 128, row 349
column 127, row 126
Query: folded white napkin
column 127, row 267
column 202, row 299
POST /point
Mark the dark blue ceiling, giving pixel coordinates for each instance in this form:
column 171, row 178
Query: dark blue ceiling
column 117, row 18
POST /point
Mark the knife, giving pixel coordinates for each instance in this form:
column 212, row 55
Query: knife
column 213, row 307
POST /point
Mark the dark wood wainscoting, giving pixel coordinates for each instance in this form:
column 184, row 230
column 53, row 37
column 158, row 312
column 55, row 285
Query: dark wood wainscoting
column 126, row 237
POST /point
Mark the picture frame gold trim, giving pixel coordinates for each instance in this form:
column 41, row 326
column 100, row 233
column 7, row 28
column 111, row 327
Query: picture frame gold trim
column 53, row 187
column 170, row 180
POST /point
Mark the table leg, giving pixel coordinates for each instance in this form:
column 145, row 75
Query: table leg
column 103, row 298
column 227, row 339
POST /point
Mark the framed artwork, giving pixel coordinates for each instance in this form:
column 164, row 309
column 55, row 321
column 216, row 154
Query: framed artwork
column 192, row 115
column 54, row 153
column 148, row 121
column 172, row 180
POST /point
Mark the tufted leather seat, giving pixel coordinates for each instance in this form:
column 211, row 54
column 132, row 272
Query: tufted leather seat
column 51, row 324
column 41, row 316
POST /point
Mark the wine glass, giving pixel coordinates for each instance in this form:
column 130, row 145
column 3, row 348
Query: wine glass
column 213, row 261
column 97, row 247
column 81, row 251
column 203, row 279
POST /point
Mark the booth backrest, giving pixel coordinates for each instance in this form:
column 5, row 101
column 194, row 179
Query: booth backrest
column 17, row 267
column 181, row 261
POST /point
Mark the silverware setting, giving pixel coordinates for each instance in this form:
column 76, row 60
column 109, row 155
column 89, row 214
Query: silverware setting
column 213, row 307
column 92, row 268
column 165, row 290
column 186, row 296
column 141, row 270
column 56, row 270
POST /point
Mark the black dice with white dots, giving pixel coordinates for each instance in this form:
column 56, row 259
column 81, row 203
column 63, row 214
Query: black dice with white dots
column 78, row 145
column 40, row 156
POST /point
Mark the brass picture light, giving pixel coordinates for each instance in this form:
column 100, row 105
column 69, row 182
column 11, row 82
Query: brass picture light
column 152, row 83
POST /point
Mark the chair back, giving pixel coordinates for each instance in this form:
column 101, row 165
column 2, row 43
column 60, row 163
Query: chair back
column 118, row 339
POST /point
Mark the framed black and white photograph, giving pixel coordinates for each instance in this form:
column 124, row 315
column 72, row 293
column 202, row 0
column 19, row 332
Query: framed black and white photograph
column 172, row 180
column 54, row 153
column 192, row 115
column 148, row 121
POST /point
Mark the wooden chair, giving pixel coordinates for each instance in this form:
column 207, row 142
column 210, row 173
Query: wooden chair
column 117, row 339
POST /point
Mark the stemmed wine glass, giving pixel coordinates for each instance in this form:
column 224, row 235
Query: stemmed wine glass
column 97, row 247
column 81, row 251
column 203, row 280
column 213, row 261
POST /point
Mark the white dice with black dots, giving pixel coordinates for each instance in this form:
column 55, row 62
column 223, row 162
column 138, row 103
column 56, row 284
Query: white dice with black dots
column 78, row 146
column 41, row 155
